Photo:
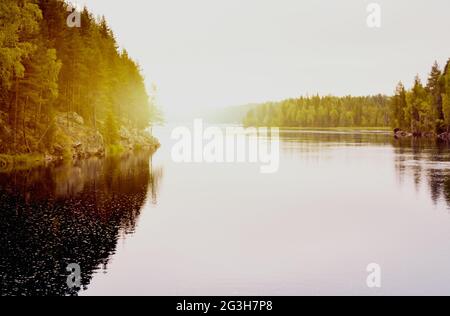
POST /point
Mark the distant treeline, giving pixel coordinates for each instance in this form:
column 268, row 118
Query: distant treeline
column 421, row 109
column 320, row 111
column 49, row 66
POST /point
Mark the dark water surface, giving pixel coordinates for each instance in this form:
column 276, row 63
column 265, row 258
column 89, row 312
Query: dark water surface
column 71, row 213
column 147, row 226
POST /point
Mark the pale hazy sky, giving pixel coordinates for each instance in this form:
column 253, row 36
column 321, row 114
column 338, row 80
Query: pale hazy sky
column 212, row 53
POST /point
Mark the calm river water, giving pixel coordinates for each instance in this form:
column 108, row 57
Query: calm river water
column 141, row 225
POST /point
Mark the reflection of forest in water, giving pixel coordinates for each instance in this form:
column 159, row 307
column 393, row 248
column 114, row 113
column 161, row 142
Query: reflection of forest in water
column 54, row 216
column 423, row 160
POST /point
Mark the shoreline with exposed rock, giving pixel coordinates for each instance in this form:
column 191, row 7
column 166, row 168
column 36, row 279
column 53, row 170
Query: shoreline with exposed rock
column 75, row 140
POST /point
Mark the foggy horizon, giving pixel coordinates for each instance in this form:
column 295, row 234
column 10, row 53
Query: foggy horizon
column 210, row 54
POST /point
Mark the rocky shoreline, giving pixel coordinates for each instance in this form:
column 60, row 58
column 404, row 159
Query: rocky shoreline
column 76, row 140
column 85, row 141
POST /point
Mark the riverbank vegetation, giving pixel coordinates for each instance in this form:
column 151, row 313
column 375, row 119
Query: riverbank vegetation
column 424, row 109
column 66, row 89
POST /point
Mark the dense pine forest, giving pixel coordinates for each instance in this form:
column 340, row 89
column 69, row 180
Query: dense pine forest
column 424, row 109
column 65, row 85
column 320, row 111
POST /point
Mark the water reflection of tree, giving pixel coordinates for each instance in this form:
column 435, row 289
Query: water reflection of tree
column 156, row 174
column 426, row 161
column 51, row 217
column 419, row 159
column 354, row 138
